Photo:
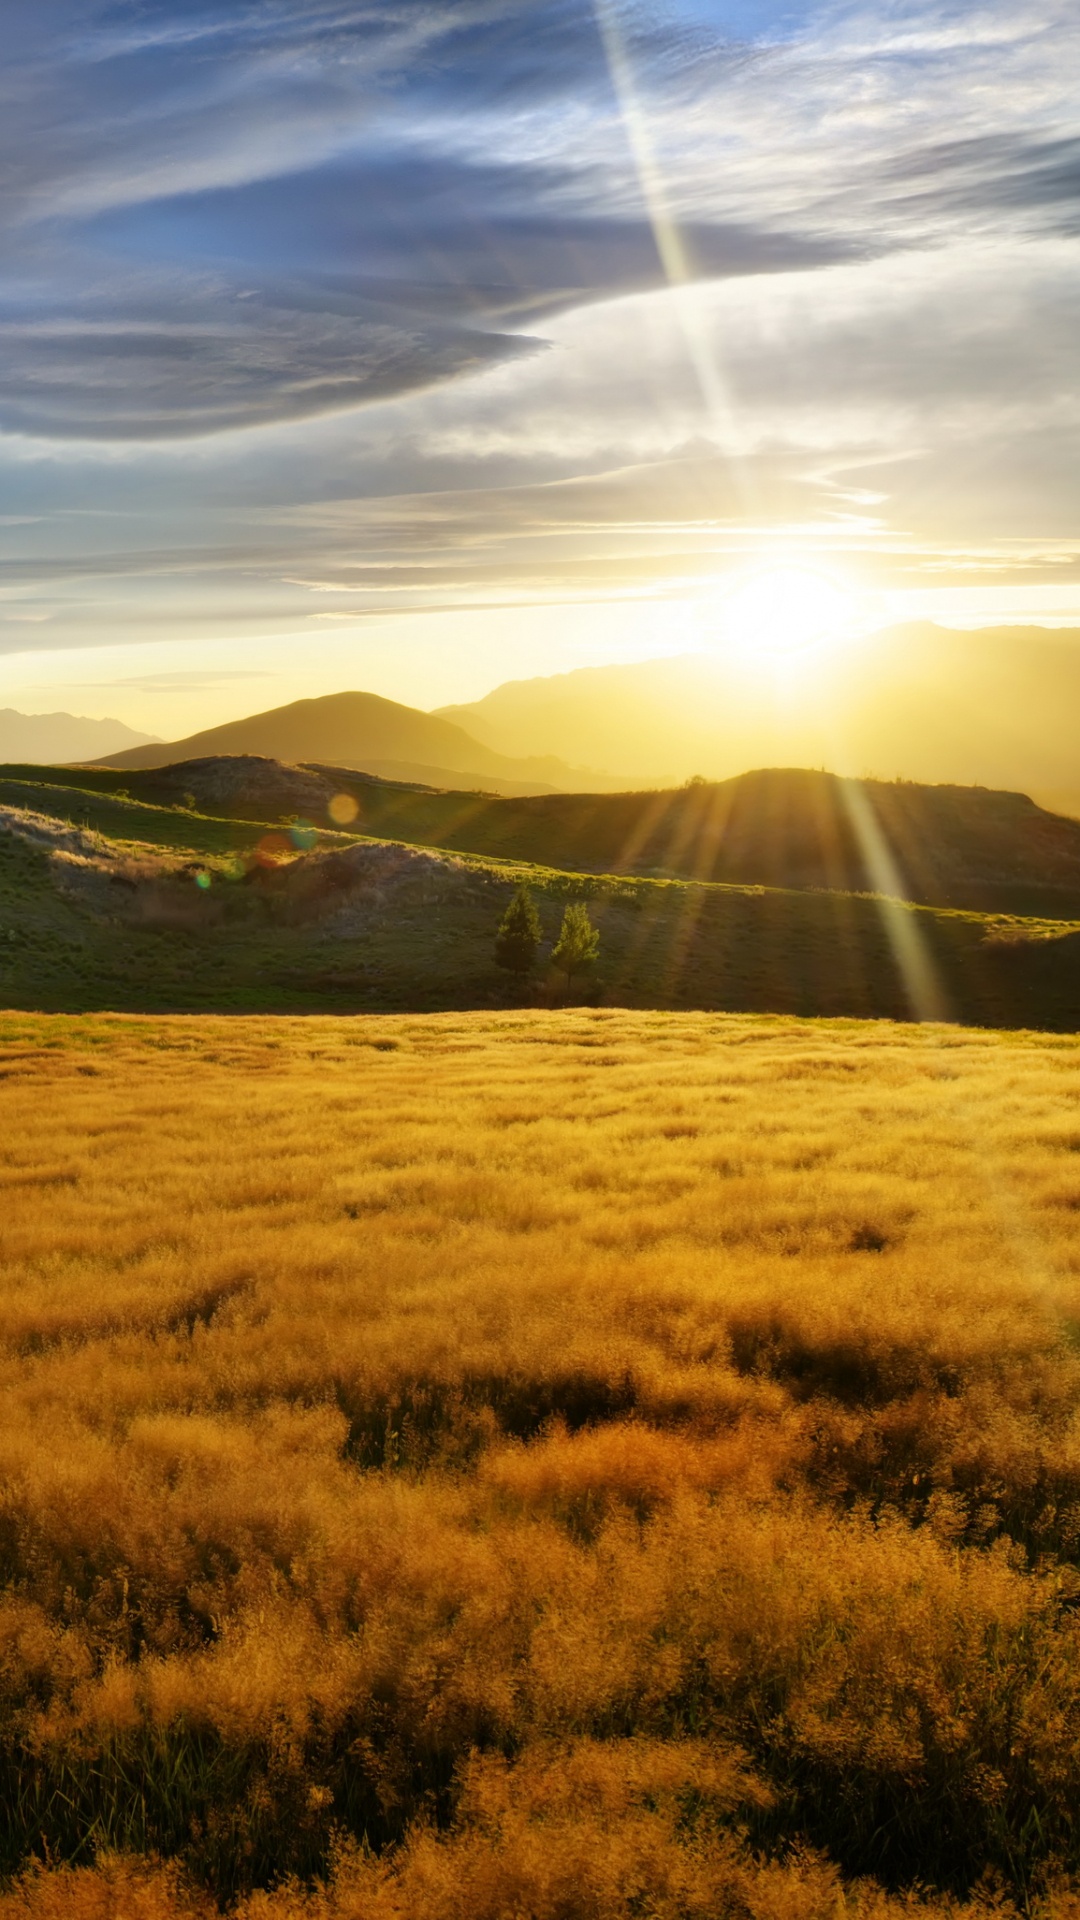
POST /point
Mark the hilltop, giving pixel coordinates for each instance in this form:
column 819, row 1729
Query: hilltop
column 361, row 730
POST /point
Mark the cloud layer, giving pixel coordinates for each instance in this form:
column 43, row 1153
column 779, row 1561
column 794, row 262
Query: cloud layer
column 371, row 301
column 222, row 214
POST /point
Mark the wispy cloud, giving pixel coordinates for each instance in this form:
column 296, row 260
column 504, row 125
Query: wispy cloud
column 310, row 291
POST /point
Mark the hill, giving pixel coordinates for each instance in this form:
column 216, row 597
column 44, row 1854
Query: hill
column 362, row 730
column 47, row 738
column 993, row 707
column 785, row 827
column 781, row 827
column 113, row 903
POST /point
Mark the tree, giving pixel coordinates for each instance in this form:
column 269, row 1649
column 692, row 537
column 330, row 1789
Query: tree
column 519, row 934
column 578, row 943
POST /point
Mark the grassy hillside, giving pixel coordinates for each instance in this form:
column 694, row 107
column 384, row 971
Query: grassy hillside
column 111, row 903
column 788, row 827
column 608, row 1464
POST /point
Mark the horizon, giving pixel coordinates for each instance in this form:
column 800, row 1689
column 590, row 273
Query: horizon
column 426, row 349
column 719, row 658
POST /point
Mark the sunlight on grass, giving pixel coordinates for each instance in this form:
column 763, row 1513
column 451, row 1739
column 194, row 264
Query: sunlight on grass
column 575, row 1464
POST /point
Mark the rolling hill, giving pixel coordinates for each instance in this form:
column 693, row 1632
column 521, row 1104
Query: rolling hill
column 961, row 847
column 995, row 707
column 947, row 846
column 111, row 902
column 363, row 731
column 797, row 828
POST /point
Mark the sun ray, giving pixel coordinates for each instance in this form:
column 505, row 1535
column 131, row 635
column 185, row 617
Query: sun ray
column 925, row 991
column 670, row 245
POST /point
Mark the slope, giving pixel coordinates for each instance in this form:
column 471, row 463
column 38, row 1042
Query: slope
column 994, row 707
column 359, row 730
column 786, row 827
column 192, row 914
column 962, row 847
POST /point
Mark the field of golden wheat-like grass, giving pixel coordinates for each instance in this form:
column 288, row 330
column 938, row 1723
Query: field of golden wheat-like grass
column 553, row 1466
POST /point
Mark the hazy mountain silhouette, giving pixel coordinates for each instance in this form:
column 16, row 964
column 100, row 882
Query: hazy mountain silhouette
column 362, row 730
column 996, row 707
column 46, row 739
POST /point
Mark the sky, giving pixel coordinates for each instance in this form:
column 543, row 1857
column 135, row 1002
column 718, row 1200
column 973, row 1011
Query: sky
column 417, row 346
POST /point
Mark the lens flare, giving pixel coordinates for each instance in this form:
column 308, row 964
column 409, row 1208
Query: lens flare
column 343, row 809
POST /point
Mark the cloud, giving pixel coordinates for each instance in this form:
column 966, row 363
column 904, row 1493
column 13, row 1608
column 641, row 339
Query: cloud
column 207, row 368
column 307, row 301
column 230, row 214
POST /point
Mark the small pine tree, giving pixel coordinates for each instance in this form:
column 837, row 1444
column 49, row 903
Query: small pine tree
column 578, row 943
column 519, row 934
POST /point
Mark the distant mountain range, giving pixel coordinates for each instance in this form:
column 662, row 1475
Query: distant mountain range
column 377, row 736
column 50, row 739
column 997, row 707
column 993, row 707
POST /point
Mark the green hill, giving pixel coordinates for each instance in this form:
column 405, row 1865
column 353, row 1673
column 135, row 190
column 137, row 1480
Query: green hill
column 113, row 903
column 946, row 846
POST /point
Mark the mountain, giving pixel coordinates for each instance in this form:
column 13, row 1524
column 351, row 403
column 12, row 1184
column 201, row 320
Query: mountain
column 46, row 739
column 993, row 706
column 362, row 730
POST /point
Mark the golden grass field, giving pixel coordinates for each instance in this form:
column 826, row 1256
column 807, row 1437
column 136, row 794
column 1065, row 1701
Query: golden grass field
column 531, row 1466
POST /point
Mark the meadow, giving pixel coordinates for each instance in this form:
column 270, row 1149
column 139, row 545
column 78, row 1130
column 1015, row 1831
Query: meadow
column 570, row 1466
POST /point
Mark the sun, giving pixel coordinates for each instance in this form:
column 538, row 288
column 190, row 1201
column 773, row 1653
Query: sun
column 777, row 612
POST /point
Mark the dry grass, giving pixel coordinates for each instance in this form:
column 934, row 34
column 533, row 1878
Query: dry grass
column 573, row 1466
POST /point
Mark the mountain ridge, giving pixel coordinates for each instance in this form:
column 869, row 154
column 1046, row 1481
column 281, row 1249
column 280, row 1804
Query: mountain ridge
column 991, row 706
column 45, row 739
column 364, row 731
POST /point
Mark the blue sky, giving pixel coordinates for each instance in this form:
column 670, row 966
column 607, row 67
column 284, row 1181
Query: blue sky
column 420, row 345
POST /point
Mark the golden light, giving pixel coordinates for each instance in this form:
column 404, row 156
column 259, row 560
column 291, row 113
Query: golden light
column 779, row 611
